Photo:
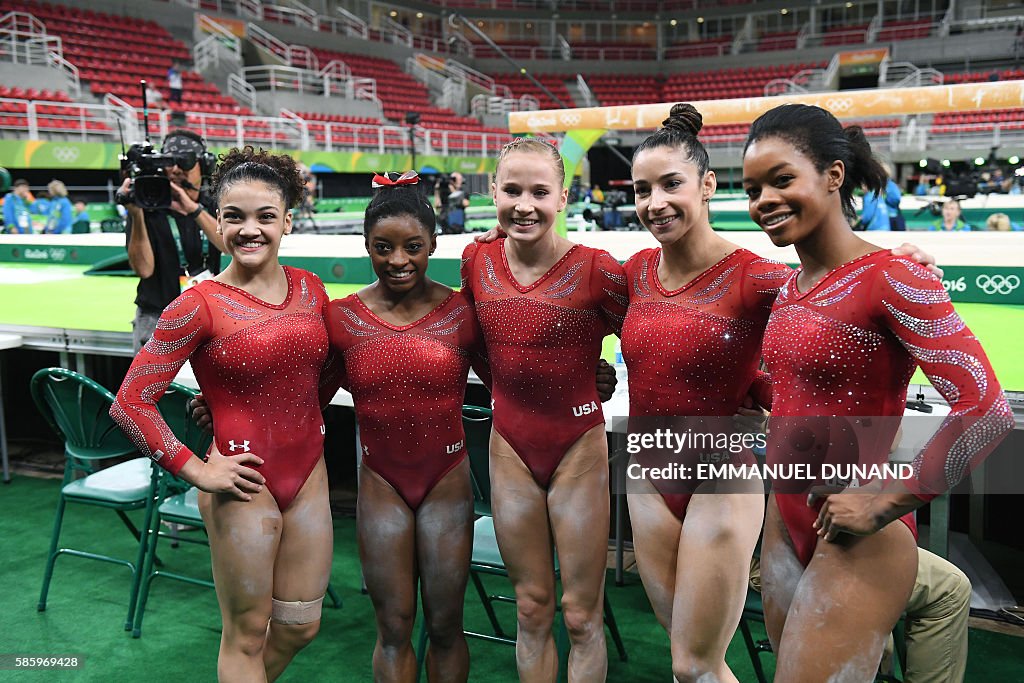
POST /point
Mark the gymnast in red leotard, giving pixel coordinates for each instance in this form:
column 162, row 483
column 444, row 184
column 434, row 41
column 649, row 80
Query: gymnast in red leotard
column 843, row 339
column 544, row 305
column 255, row 335
column 407, row 343
column 692, row 343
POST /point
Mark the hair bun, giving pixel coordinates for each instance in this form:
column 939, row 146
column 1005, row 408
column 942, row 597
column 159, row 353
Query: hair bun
column 685, row 119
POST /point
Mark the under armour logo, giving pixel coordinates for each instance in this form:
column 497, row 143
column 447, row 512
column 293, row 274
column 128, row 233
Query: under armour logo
column 244, row 446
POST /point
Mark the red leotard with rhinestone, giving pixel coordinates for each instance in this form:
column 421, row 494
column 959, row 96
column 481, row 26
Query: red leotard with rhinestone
column 258, row 366
column 848, row 347
column 408, row 384
column 694, row 351
column 543, row 343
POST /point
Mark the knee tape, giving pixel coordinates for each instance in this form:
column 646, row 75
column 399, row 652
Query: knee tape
column 297, row 612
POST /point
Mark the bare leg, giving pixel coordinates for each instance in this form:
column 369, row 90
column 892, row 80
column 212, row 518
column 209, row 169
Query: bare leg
column 578, row 507
column 780, row 573
column 695, row 572
column 244, row 538
column 386, row 530
column 444, row 546
column 656, row 546
column 303, row 567
column 524, row 538
column 845, row 606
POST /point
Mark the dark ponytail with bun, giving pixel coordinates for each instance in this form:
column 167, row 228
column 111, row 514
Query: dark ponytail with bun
column 819, row 136
column 680, row 129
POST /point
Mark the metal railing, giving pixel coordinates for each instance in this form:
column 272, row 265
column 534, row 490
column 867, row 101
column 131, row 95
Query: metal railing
column 482, row 105
column 56, row 61
column 250, row 9
column 292, row 55
column 243, row 92
column 334, row 80
column 907, row 75
column 588, row 95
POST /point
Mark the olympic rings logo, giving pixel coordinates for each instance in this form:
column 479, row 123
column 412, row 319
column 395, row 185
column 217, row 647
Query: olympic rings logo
column 570, row 119
column 65, row 154
column 838, row 105
column 997, row 284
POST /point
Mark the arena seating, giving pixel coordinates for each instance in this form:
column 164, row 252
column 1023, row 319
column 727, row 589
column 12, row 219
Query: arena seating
column 520, row 85
column 726, row 83
column 112, row 52
column 845, row 34
column 904, row 30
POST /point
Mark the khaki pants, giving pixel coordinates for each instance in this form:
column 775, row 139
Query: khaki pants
column 936, row 621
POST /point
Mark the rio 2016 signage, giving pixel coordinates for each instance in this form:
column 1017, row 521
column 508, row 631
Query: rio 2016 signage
column 984, row 284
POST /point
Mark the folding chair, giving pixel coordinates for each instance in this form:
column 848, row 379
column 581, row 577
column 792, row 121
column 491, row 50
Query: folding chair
column 77, row 408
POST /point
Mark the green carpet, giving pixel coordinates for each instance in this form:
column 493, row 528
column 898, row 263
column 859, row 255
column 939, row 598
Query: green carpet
column 88, row 599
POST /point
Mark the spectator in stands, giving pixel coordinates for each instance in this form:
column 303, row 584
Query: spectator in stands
column 457, row 203
column 951, row 220
column 154, row 99
column 882, row 215
column 82, row 223
column 59, row 214
column 1000, row 222
column 597, row 194
column 165, row 246
column 16, row 209
column 174, row 81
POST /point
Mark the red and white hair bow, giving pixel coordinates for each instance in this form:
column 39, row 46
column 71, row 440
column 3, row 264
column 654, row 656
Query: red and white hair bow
column 407, row 178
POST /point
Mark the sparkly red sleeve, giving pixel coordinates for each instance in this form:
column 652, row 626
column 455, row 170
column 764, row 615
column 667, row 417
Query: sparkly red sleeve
column 608, row 283
column 184, row 325
column 762, row 281
column 466, row 269
column 917, row 310
column 333, row 376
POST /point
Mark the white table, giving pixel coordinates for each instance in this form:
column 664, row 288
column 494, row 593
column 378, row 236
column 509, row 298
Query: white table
column 7, row 341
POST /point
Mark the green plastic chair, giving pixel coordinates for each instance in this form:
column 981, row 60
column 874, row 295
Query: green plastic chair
column 486, row 559
column 476, row 422
column 176, row 502
column 77, row 408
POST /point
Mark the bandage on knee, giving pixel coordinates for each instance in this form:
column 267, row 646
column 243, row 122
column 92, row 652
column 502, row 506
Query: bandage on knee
column 297, row 612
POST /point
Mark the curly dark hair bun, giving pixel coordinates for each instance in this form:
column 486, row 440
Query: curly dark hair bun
column 685, row 119
column 249, row 164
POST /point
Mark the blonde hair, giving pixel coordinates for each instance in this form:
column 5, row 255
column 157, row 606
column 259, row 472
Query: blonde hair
column 537, row 147
column 999, row 222
column 57, row 189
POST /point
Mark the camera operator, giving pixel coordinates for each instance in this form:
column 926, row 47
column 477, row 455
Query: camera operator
column 169, row 247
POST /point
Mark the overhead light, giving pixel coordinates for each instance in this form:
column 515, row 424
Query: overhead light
column 700, row 20
column 529, row 25
column 923, row 163
column 945, row 163
column 522, row 70
column 849, row 5
column 394, row 13
column 1014, row 159
column 480, row 24
column 784, row 11
column 979, row 161
column 673, row 22
column 419, row 15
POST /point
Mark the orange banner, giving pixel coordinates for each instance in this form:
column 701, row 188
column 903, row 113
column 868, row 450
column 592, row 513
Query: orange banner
column 845, row 105
column 874, row 56
column 235, row 26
